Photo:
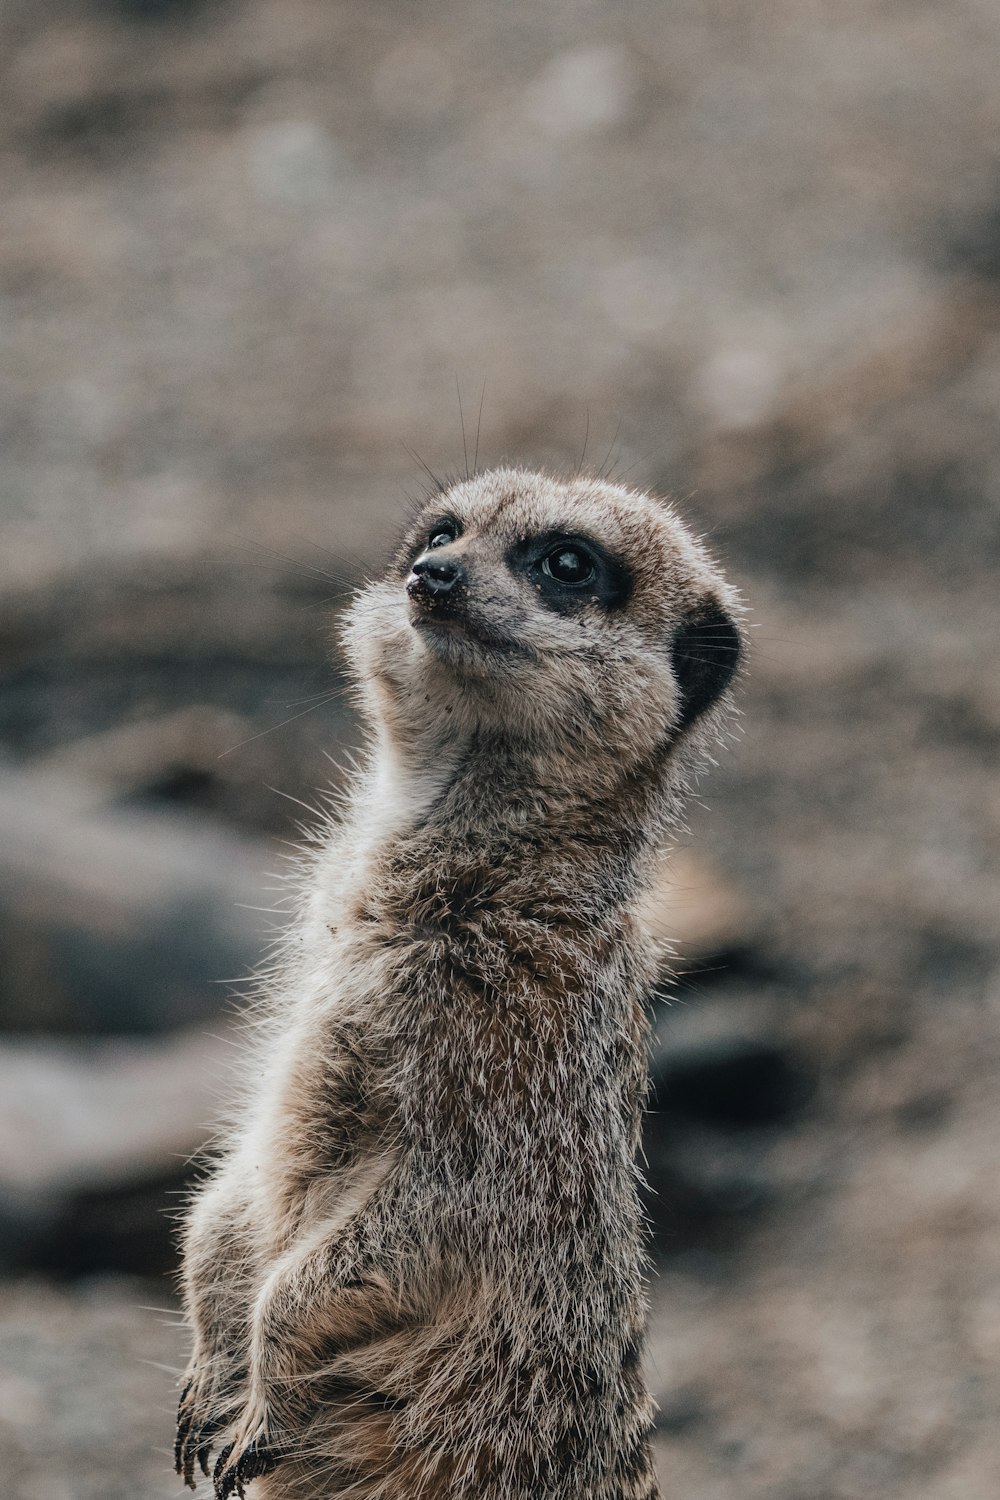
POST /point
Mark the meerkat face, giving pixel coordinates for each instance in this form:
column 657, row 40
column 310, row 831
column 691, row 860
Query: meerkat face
column 577, row 612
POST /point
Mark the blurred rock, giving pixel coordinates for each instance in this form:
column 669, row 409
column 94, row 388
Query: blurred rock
column 725, row 1087
column 121, row 920
column 93, row 1137
column 292, row 163
column 76, row 1115
column 729, row 1081
column 584, row 90
column 172, row 757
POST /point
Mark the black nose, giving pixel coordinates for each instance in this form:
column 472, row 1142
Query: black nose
column 434, row 576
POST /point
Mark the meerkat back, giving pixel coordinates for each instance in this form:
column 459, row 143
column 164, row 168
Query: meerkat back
column 416, row 1268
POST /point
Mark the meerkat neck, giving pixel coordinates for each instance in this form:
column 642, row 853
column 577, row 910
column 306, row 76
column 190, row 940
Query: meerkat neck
column 530, row 822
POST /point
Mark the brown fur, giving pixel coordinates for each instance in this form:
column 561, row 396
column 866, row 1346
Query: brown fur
column 416, row 1269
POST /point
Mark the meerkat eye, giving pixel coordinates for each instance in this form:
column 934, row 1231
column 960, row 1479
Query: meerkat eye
column 570, row 573
column 569, row 564
column 441, row 535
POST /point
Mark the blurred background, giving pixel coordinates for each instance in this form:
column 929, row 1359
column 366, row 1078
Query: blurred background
column 748, row 255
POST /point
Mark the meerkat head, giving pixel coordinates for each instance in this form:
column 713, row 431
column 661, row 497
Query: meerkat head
column 572, row 615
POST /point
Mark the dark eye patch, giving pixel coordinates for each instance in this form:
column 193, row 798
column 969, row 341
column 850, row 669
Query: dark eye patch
column 568, row 572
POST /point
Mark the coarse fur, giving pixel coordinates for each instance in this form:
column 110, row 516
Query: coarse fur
column 416, row 1268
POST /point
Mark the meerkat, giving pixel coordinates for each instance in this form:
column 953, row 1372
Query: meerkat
column 416, row 1270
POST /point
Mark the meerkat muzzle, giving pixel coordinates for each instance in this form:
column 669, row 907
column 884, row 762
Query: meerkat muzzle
column 431, row 578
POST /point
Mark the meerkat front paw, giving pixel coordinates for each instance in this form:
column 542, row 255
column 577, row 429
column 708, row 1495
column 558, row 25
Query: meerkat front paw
column 252, row 1453
column 234, row 1469
column 197, row 1424
column 202, row 1413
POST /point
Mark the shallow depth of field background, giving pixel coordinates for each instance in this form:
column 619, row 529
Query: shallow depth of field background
column 748, row 254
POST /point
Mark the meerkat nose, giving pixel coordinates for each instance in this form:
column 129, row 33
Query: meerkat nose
column 433, row 576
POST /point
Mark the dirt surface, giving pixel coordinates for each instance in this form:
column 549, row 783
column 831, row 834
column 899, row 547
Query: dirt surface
column 85, row 1409
column 244, row 252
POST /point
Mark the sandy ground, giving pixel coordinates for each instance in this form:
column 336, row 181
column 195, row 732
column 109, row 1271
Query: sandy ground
column 244, row 252
column 85, row 1409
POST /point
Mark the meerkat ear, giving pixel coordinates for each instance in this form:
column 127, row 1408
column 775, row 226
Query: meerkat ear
column 705, row 652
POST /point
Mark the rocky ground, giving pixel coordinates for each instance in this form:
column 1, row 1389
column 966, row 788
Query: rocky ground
column 245, row 251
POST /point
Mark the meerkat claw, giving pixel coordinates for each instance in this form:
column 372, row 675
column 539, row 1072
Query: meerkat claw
column 184, row 1423
column 222, row 1474
column 231, row 1476
column 204, row 1455
column 179, row 1447
column 256, row 1460
column 183, row 1454
column 188, row 1456
column 193, row 1444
